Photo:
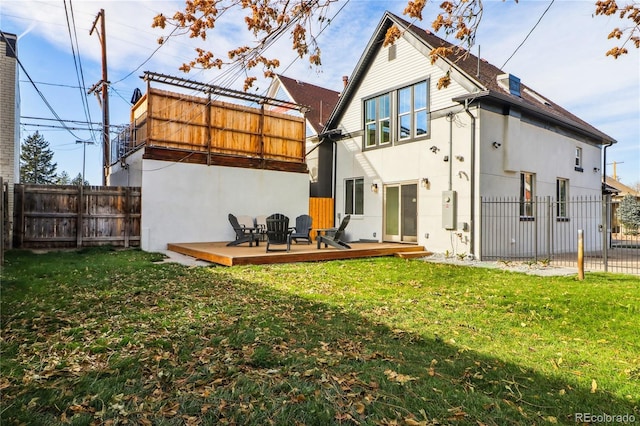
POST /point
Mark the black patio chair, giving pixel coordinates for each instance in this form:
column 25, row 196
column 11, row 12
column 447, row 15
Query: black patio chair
column 334, row 237
column 243, row 233
column 278, row 232
column 302, row 229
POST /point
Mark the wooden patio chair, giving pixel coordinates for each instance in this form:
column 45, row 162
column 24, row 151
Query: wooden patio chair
column 333, row 237
column 278, row 232
column 244, row 234
column 302, row 229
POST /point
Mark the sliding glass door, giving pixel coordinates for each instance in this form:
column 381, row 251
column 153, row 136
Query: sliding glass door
column 401, row 212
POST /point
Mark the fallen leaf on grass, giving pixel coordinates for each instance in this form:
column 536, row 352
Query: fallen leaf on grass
column 594, row 386
column 399, row 378
column 170, row 410
column 413, row 422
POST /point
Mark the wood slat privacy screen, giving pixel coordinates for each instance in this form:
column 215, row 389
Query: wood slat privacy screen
column 173, row 120
column 321, row 210
column 58, row 216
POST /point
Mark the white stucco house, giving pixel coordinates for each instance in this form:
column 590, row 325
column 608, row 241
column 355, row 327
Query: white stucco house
column 412, row 162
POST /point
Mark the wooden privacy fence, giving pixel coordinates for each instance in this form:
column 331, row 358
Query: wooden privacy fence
column 321, row 210
column 59, row 216
column 182, row 122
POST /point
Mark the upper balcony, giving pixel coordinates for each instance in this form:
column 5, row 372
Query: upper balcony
column 181, row 127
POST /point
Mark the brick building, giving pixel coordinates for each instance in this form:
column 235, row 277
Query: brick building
column 10, row 119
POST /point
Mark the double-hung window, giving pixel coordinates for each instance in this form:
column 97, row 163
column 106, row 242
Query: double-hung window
column 377, row 120
column 578, row 164
column 412, row 111
column 527, row 195
column 354, row 196
column 562, row 199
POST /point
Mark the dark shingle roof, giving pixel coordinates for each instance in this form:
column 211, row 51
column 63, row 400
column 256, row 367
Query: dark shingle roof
column 320, row 100
column 484, row 75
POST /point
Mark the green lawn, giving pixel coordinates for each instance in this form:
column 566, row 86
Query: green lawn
column 109, row 337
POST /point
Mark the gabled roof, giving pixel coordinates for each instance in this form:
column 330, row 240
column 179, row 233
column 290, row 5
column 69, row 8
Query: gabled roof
column 320, row 100
column 620, row 188
column 480, row 73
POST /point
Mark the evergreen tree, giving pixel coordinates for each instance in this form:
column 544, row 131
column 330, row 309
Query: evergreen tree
column 36, row 164
column 629, row 214
column 78, row 180
column 63, row 178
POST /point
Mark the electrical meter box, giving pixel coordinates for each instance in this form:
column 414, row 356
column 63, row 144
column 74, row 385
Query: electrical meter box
column 449, row 208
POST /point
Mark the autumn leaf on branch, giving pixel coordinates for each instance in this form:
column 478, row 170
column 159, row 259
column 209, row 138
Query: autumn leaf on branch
column 628, row 12
column 267, row 20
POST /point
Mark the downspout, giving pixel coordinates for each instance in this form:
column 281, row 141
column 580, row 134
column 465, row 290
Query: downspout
column 606, row 219
column 604, row 164
column 450, row 157
column 334, row 145
column 472, row 227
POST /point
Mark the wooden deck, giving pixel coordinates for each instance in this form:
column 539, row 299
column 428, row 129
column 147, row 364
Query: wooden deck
column 218, row 252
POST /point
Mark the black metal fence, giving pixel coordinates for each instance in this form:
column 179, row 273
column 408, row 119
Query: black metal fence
column 546, row 230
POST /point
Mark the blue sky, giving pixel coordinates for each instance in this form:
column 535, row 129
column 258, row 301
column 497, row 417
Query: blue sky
column 563, row 59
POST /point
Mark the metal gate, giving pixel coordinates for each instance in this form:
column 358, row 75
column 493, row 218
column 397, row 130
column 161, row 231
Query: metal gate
column 547, row 231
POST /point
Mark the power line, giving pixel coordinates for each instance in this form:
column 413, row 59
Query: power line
column 164, row 41
column 53, row 119
column 52, row 84
column 53, row 126
column 525, row 39
column 77, row 62
column 44, row 99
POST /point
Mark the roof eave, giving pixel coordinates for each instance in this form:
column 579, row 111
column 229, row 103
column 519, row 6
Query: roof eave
column 539, row 112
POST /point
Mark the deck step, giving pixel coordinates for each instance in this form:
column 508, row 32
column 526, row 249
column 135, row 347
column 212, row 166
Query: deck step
column 413, row 254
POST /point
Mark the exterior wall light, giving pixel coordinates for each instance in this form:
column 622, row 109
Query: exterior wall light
column 496, row 145
column 425, row 182
column 374, row 187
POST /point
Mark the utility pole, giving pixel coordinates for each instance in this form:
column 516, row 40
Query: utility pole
column 106, row 149
column 615, row 175
column 84, row 151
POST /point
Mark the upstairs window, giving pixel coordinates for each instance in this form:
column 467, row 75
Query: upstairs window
column 377, row 120
column 397, row 116
column 578, row 163
column 412, row 111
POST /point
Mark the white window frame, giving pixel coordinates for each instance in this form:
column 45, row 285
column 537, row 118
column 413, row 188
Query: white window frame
column 578, row 160
column 562, row 199
column 527, row 195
